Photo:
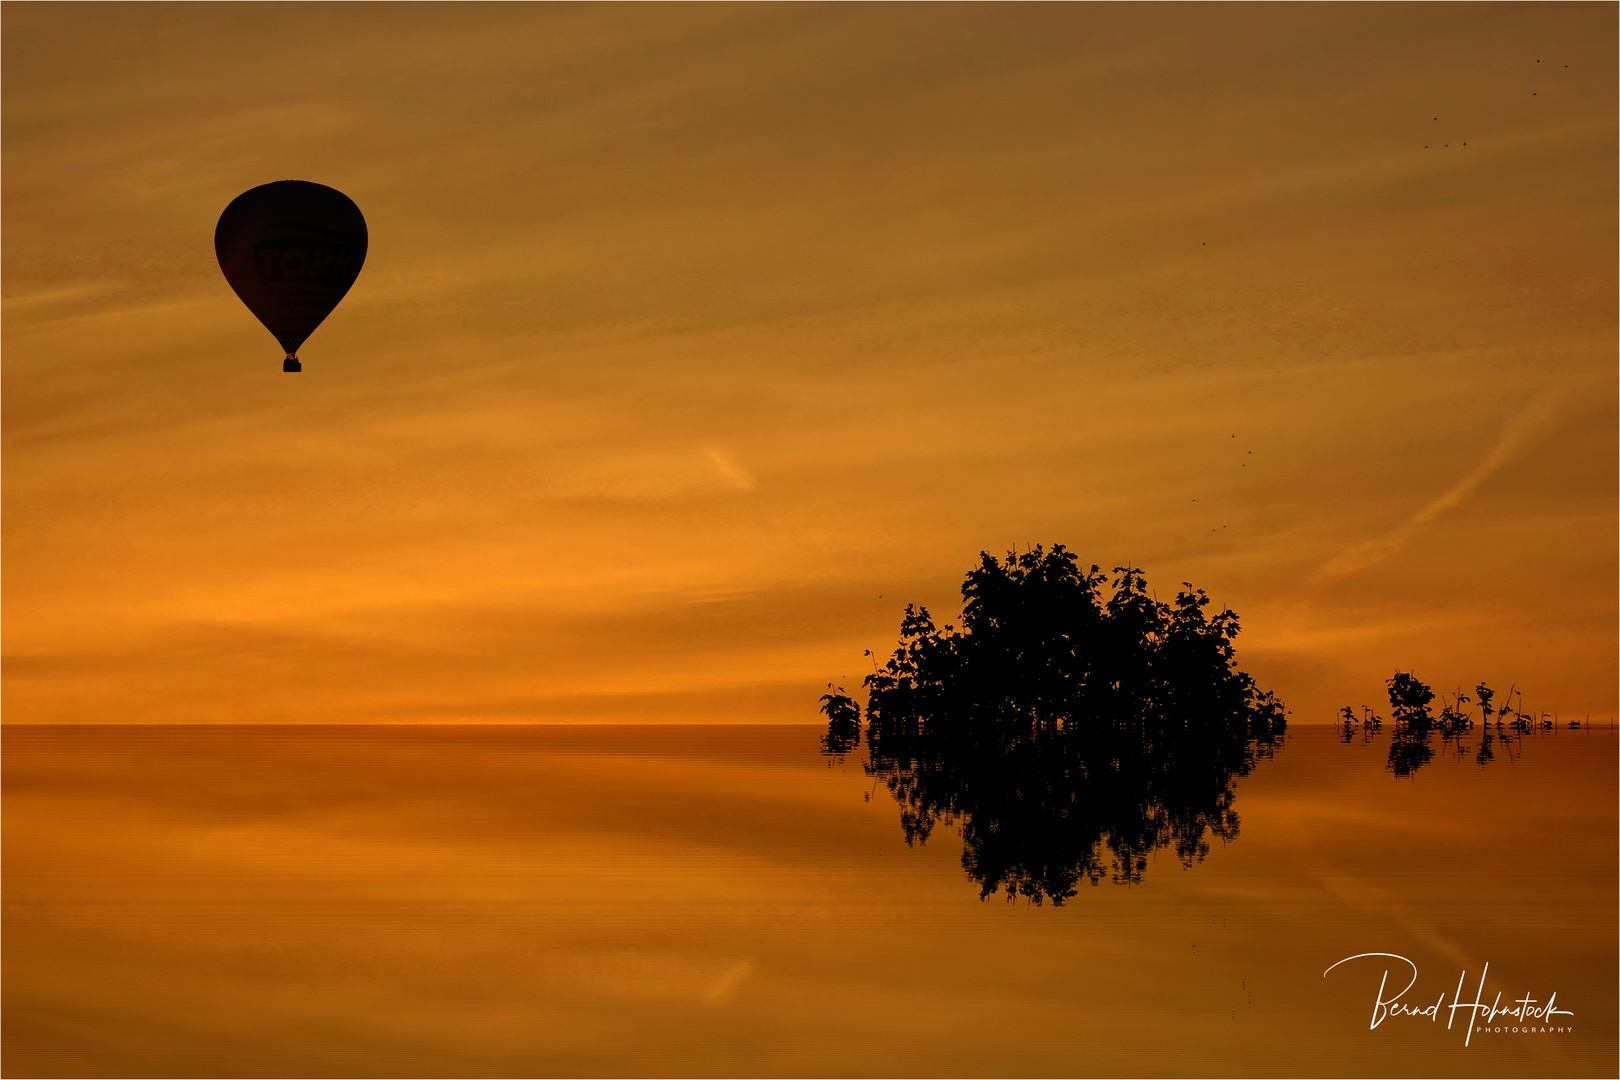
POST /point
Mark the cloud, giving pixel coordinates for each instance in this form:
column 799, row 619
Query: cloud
column 1357, row 558
column 727, row 467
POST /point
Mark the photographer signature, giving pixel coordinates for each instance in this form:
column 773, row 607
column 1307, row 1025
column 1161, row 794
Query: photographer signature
column 1525, row 1010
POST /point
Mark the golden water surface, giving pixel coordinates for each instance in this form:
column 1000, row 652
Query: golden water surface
column 722, row 900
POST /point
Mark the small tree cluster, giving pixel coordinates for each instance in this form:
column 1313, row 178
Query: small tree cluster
column 1415, row 726
column 1069, row 732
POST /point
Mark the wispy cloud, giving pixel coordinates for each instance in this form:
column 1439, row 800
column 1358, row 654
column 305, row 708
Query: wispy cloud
column 1359, row 557
column 727, row 466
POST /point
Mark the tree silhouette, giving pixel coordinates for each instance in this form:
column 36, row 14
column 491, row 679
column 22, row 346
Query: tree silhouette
column 843, row 723
column 1068, row 736
column 1410, row 747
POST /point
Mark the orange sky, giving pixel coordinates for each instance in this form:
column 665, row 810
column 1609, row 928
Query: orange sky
column 695, row 341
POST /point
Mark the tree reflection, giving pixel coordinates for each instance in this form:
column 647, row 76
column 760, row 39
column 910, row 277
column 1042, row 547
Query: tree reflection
column 1068, row 736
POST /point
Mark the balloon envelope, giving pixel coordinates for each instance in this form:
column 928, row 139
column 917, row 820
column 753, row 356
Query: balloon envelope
column 291, row 249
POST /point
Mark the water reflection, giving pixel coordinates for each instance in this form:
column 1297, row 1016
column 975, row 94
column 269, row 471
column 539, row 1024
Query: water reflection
column 1068, row 736
column 1416, row 727
column 670, row 901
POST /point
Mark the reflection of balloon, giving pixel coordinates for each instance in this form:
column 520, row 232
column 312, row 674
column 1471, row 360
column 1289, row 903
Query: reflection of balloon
column 291, row 249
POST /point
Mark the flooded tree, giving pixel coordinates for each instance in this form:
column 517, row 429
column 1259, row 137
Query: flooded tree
column 843, row 723
column 1067, row 733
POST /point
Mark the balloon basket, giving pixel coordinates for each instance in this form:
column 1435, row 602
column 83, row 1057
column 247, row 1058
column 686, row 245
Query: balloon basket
column 291, row 364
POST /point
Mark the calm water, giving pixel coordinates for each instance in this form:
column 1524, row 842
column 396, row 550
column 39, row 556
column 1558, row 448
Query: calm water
column 671, row 901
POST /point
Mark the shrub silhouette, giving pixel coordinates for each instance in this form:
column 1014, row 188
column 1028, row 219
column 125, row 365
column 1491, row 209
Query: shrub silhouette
column 843, row 723
column 1067, row 735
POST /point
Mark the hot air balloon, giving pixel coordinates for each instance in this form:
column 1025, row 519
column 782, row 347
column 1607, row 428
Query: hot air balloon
column 291, row 249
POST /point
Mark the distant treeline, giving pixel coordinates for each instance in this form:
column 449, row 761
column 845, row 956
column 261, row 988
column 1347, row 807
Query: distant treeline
column 1415, row 726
